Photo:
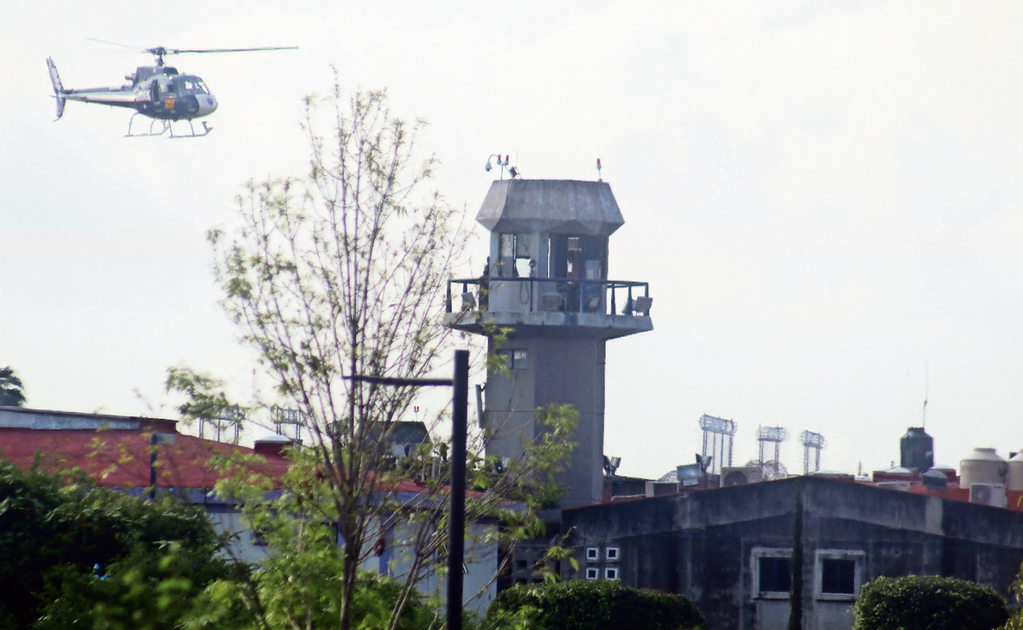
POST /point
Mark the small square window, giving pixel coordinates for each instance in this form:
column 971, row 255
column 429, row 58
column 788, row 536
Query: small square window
column 612, row 553
column 838, row 576
column 515, row 358
column 592, row 573
column 593, row 553
column 771, row 573
column 775, row 575
column 611, row 573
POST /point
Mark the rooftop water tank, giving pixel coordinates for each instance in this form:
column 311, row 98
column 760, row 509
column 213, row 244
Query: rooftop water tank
column 1016, row 472
column 917, row 449
column 982, row 465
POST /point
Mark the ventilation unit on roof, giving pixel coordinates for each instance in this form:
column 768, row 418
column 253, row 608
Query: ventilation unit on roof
column 992, row 494
column 659, row 488
column 894, row 485
column 740, row 475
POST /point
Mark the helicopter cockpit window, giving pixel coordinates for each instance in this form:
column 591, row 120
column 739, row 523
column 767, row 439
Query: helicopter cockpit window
column 194, row 86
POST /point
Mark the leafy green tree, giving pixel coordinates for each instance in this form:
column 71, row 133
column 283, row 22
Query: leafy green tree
column 12, row 392
column 342, row 274
column 928, row 603
column 67, row 546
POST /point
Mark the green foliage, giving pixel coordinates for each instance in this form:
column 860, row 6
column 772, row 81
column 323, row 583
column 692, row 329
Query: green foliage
column 1016, row 621
column 300, row 586
column 55, row 530
column 928, row 603
column 589, row 605
column 148, row 589
column 206, row 399
column 12, row 392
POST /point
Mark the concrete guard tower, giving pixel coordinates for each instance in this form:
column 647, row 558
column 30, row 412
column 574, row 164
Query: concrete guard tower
column 547, row 280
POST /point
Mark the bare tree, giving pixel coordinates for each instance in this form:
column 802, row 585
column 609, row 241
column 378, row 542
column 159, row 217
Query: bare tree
column 343, row 273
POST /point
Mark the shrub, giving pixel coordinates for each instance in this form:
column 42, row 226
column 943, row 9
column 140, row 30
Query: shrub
column 57, row 532
column 1016, row 621
column 591, row 605
column 928, row 603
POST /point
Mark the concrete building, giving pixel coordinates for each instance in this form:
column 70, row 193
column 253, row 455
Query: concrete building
column 547, row 282
column 116, row 452
column 729, row 549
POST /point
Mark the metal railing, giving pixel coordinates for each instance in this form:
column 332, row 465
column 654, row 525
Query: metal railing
column 551, row 295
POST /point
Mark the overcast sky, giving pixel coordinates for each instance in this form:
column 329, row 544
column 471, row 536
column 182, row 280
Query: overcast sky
column 826, row 197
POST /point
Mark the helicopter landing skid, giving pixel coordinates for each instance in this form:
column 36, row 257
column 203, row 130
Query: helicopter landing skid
column 166, row 127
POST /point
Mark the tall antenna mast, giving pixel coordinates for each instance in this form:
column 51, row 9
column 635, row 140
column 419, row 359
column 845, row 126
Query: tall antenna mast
column 927, row 378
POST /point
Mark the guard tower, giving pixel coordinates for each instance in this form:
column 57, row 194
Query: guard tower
column 547, row 281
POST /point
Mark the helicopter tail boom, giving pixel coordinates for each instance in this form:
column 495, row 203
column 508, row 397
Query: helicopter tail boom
column 58, row 87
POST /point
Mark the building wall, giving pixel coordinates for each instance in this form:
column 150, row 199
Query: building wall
column 478, row 581
column 560, row 371
column 709, row 545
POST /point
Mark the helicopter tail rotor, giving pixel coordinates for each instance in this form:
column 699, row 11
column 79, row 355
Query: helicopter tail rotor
column 58, row 87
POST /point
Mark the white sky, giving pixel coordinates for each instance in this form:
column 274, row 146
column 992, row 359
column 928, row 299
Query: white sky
column 827, row 198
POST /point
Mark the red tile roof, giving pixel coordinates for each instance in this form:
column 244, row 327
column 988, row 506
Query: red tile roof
column 121, row 457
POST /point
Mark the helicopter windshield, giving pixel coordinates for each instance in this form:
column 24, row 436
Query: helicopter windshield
column 194, row 85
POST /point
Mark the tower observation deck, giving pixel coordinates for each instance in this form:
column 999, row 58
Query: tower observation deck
column 547, row 281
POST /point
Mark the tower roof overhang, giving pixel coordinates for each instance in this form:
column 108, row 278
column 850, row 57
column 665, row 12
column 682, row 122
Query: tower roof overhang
column 557, row 206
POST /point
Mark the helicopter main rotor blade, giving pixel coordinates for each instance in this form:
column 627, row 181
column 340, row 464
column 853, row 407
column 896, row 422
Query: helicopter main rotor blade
column 103, row 41
column 175, row 51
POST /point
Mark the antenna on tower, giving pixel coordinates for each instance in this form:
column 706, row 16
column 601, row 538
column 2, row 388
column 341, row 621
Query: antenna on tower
column 771, row 469
column 712, row 428
column 288, row 417
column 811, row 442
column 230, row 418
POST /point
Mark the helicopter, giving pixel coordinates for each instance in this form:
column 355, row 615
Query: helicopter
column 157, row 92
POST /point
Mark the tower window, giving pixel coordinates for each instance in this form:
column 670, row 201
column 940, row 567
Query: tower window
column 516, row 358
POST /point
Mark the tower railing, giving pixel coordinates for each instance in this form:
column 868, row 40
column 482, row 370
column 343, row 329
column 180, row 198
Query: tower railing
column 552, row 295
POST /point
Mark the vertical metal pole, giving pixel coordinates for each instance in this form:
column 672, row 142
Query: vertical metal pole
column 456, row 540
